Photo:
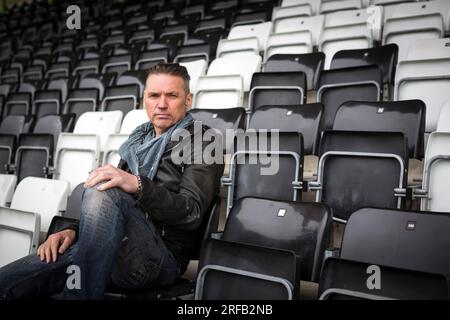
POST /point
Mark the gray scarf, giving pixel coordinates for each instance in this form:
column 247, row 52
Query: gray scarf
column 143, row 150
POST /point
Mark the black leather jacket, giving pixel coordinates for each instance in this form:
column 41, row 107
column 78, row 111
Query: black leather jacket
column 178, row 198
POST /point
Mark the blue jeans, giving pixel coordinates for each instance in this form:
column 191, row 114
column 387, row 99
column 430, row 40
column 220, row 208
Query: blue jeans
column 117, row 244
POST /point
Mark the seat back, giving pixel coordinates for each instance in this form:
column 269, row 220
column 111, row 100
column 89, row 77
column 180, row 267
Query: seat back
column 121, row 98
column 19, row 234
column 7, row 185
column 43, row 196
column 397, row 238
column 34, row 155
column 359, row 169
column 244, row 272
column 304, row 228
column 304, row 119
column 80, row 101
column 221, row 120
column 346, row 279
column 7, row 151
column 311, row 64
column 219, row 92
column 54, row 125
column 277, row 88
column 341, row 85
column 407, row 117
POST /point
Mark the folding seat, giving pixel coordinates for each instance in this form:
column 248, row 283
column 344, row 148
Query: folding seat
column 144, row 35
column 54, row 125
column 406, row 23
column 385, row 57
column 282, row 13
column 358, row 169
column 86, row 66
column 344, row 279
column 111, row 151
column 276, row 88
column 411, row 240
column 294, row 42
column 311, row 64
column 46, row 102
column 19, row 234
column 407, row 117
column 98, row 82
column 242, row 272
column 244, row 65
column 252, row 17
column 308, row 25
column 75, row 157
column 124, row 98
column 260, row 31
column 426, row 80
column 80, row 101
column 7, row 185
column 114, row 40
column 11, row 75
column 196, row 59
column 118, row 64
column 212, row 37
column 327, row 7
column 45, row 197
column 149, row 58
column 349, row 84
column 138, row 77
column 222, row 120
column 265, row 164
column 7, row 151
column 304, row 119
column 33, row 72
column 314, row 4
column 63, row 84
column 216, row 92
column 34, row 155
column 175, row 34
column 16, row 124
column 237, row 46
column 56, row 70
column 349, row 30
column 426, row 49
column 133, row 119
column 18, row 103
column 436, row 172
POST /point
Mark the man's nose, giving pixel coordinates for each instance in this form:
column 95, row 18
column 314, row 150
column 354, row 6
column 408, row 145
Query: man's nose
column 162, row 103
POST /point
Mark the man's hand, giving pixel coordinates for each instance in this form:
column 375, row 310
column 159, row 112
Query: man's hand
column 113, row 177
column 56, row 243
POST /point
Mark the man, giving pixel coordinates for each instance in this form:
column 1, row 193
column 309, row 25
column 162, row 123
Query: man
column 140, row 222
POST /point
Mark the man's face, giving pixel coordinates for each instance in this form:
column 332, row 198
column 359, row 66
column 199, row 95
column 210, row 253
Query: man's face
column 165, row 101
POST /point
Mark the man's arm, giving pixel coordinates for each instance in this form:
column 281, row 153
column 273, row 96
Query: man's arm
column 198, row 186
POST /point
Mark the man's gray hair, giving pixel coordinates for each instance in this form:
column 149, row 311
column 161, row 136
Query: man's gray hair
column 173, row 69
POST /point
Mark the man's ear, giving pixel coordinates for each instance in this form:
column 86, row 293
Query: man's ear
column 189, row 99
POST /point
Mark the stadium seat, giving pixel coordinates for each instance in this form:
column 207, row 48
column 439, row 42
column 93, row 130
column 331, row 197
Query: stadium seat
column 216, row 92
column 98, row 82
column 133, row 119
column 407, row 117
column 7, row 152
column 304, row 119
column 45, row 197
column 16, row 124
column 80, row 101
column 344, row 279
column 242, row 64
column 117, row 64
column 276, row 88
column 359, row 169
column 149, row 58
column 385, row 57
column 237, row 46
column 443, row 124
column 265, row 164
column 294, row 42
column 340, row 85
column 19, row 234
column 259, row 30
column 311, row 64
column 314, row 25
column 121, row 98
column 243, row 278
column 18, row 103
column 222, row 120
column 327, row 7
column 280, row 14
column 47, row 102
